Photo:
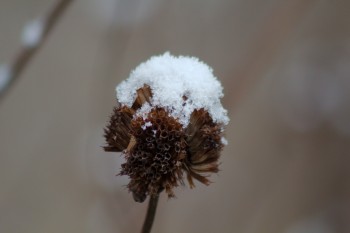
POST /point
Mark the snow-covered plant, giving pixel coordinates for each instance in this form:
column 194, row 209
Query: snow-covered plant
column 168, row 124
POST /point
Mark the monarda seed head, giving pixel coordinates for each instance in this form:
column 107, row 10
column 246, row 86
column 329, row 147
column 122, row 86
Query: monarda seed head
column 168, row 124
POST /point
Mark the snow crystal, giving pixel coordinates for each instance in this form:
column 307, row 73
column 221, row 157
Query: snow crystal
column 32, row 33
column 224, row 141
column 5, row 76
column 146, row 125
column 178, row 84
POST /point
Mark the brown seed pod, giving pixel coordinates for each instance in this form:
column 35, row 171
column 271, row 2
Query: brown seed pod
column 158, row 150
column 168, row 125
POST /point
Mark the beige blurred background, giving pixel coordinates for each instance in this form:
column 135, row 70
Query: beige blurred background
column 285, row 67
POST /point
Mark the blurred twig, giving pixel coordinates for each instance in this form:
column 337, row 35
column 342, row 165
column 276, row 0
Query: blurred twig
column 277, row 30
column 29, row 49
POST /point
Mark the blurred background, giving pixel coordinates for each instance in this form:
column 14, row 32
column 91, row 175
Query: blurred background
column 285, row 68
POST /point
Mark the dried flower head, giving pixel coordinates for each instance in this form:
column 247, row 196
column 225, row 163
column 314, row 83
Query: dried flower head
column 168, row 124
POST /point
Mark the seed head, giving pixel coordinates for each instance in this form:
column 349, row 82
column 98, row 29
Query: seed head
column 164, row 128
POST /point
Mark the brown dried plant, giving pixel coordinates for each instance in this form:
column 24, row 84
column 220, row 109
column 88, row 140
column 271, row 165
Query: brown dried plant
column 159, row 150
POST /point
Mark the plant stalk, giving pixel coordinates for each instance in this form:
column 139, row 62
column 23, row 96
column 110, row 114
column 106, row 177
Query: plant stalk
column 151, row 212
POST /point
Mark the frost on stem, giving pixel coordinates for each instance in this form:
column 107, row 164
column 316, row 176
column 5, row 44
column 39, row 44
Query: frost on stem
column 168, row 123
column 5, row 76
column 32, row 33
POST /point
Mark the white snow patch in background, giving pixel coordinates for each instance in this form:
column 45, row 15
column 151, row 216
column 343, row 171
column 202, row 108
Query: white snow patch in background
column 171, row 78
column 32, row 33
column 5, row 76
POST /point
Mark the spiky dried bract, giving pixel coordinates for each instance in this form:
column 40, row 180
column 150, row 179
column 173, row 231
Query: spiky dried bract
column 159, row 150
column 117, row 132
column 203, row 138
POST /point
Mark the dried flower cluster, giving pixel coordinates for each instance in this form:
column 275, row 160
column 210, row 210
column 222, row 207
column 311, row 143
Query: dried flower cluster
column 159, row 150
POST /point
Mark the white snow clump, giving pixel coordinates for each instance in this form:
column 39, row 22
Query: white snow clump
column 178, row 84
column 33, row 33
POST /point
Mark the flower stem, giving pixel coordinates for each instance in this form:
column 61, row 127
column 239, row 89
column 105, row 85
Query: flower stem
column 151, row 212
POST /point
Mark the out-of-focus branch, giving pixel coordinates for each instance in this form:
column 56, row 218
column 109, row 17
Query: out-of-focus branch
column 34, row 36
column 277, row 29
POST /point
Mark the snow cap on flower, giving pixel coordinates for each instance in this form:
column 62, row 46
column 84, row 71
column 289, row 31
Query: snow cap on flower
column 178, row 84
